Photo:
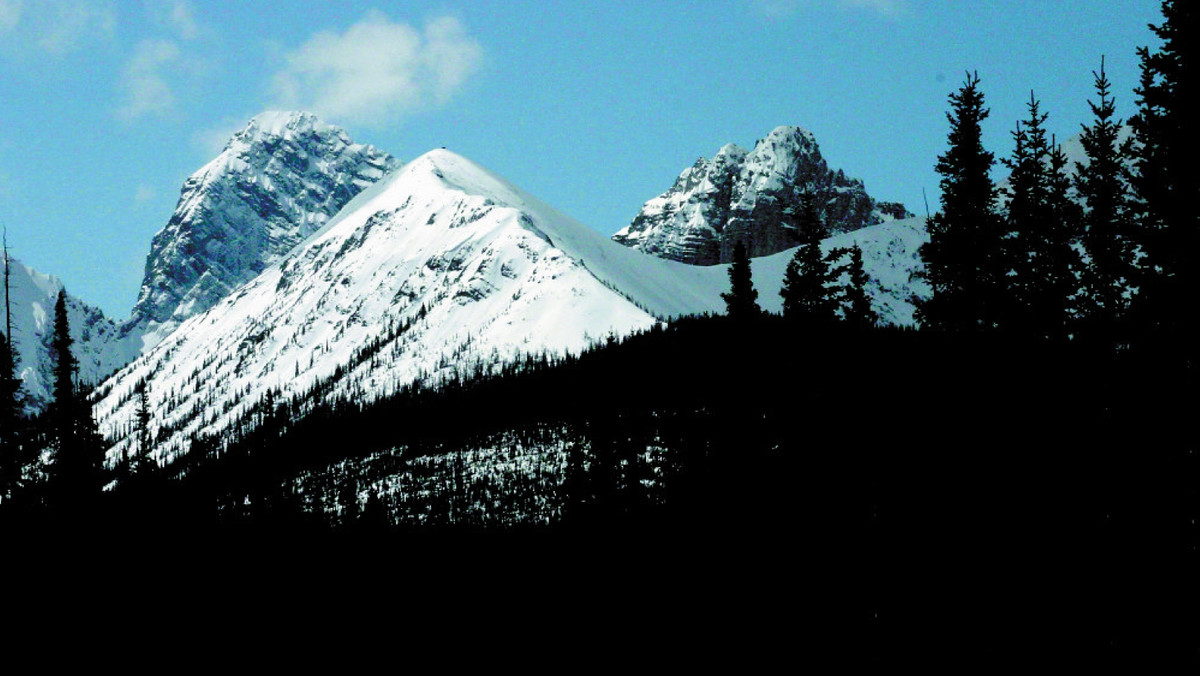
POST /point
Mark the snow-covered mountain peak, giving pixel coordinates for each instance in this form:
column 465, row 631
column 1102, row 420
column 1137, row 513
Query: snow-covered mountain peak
column 278, row 180
column 284, row 123
column 751, row 197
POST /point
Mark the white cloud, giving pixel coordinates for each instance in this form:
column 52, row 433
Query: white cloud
column 377, row 70
column 10, row 14
column 177, row 16
column 184, row 20
column 211, row 141
column 142, row 194
column 146, row 90
column 66, row 25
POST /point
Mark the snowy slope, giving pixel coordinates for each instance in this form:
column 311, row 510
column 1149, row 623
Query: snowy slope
column 477, row 271
column 277, row 181
column 752, row 197
column 98, row 346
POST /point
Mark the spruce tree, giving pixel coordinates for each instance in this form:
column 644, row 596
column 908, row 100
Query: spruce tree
column 1038, row 261
column 10, row 398
column 856, row 309
column 142, row 460
column 1025, row 220
column 741, row 301
column 1167, row 142
column 961, row 257
column 1102, row 185
column 77, row 448
column 806, row 296
column 10, row 424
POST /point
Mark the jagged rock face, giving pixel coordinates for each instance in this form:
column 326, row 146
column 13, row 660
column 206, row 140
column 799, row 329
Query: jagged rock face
column 278, row 181
column 753, row 197
column 98, row 347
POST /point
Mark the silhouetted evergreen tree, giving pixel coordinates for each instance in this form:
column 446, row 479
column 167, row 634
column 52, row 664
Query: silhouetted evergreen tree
column 1040, row 226
column 961, row 257
column 78, row 452
column 142, row 460
column 1103, row 187
column 10, row 424
column 1027, row 216
column 806, row 297
column 1166, row 180
column 10, row 399
column 741, row 301
column 856, row 305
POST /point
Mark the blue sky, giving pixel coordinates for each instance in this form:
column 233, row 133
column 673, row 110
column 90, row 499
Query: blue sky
column 106, row 107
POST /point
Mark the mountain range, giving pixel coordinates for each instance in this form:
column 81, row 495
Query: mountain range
column 299, row 261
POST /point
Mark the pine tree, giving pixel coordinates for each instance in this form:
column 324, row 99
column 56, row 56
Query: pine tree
column 78, row 450
column 10, row 423
column 1038, row 261
column 1026, row 218
column 806, row 296
column 143, row 462
column 856, row 308
column 1167, row 141
column 1102, row 185
column 741, row 301
column 10, row 399
column 961, row 257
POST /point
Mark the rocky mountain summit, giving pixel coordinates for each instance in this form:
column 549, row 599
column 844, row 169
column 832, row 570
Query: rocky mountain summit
column 752, row 196
column 277, row 181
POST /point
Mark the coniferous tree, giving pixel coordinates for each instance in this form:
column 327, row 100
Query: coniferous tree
column 741, row 301
column 1167, row 141
column 142, row 461
column 10, row 399
column 856, row 308
column 961, row 257
column 1038, row 259
column 1025, row 223
column 1102, row 185
column 10, row 424
column 806, row 296
column 77, row 449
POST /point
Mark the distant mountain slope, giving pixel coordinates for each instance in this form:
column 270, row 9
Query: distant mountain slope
column 754, row 197
column 98, row 347
column 277, row 181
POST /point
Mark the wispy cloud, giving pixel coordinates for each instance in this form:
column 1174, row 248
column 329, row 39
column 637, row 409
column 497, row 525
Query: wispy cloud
column 377, row 70
column 211, row 141
column 176, row 16
column 67, row 25
column 142, row 194
column 10, row 14
column 144, row 83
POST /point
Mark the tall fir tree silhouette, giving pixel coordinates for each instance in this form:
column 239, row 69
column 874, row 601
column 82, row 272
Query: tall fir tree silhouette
column 962, row 255
column 806, row 296
column 856, row 305
column 76, row 473
column 1038, row 262
column 1166, row 181
column 10, row 398
column 741, row 301
column 1102, row 184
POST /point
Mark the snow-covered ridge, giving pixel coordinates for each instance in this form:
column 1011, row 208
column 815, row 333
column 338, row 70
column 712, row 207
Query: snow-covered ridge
column 277, row 181
column 751, row 196
column 439, row 269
